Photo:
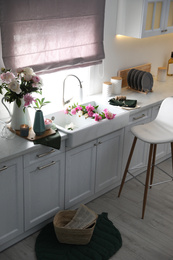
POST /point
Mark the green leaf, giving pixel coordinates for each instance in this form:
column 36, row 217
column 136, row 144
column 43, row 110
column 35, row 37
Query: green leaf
column 18, row 102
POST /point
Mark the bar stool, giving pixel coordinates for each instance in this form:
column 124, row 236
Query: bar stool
column 156, row 132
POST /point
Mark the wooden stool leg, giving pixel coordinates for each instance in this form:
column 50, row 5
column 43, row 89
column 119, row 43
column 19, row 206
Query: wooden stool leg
column 153, row 164
column 127, row 165
column 147, row 180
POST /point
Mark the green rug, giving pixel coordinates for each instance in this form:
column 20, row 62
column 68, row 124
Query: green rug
column 105, row 242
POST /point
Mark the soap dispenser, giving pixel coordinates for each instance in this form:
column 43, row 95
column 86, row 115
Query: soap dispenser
column 170, row 66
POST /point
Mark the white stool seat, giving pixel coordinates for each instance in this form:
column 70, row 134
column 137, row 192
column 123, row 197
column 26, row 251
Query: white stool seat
column 159, row 130
column 156, row 132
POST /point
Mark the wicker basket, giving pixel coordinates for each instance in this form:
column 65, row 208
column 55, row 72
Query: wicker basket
column 71, row 236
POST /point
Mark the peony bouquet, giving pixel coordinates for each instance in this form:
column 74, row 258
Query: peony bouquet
column 20, row 86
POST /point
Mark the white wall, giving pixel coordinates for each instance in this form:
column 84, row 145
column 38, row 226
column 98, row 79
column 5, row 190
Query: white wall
column 125, row 52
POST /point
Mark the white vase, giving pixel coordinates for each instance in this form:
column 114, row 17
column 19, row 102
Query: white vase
column 20, row 117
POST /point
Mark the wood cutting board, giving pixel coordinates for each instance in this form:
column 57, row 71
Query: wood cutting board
column 123, row 73
column 32, row 136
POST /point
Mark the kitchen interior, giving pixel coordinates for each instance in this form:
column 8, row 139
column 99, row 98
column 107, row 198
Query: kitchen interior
column 148, row 238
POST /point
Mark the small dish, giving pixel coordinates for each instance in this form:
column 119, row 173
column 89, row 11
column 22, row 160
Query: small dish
column 129, row 76
column 132, row 78
column 136, row 79
column 147, row 82
column 139, row 80
column 48, row 123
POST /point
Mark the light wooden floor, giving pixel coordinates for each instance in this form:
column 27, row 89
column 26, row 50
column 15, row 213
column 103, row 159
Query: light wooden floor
column 148, row 239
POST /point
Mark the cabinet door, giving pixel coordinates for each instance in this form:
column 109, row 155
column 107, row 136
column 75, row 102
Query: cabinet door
column 44, row 190
column 140, row 155
column 11, row 199
column 154, row 18
column 144, row 18
column 169, row 17
column 109, row 160
column 80, row 173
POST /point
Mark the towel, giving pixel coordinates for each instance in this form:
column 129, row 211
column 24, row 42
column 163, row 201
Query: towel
column 123, row 103
column 53, row 141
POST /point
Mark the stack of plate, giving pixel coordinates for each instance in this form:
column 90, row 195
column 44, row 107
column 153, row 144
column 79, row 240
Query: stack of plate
column 140, row 80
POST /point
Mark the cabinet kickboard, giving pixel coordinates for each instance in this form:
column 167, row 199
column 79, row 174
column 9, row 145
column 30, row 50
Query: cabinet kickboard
column 123, row 73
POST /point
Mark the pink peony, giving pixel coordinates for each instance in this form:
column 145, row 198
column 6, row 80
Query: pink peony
column 78, row 107
column 36, row 79
column 97, row 117
column 90, row 113
column 73, row 111
column 108, row 114
column 28, row 100
column 7, row 77
column 66, row 111
column 89, row 108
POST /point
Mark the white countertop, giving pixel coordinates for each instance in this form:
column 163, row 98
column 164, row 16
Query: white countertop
column 10, row 148
column 18, row 146
column 160, row 91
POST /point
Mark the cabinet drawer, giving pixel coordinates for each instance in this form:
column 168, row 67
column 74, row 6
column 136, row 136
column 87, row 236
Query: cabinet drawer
column 42, row 154
column 140, row 116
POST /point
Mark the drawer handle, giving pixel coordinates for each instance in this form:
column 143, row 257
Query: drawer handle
column 3, row 168
column 139, row 117
column 164, row 30
column 44, row 154
column 45, row 166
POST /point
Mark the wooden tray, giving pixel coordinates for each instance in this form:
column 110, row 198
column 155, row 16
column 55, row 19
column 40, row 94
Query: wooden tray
column 123, row 73
column 32, row 136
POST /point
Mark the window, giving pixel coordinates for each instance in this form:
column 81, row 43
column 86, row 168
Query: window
column 53, row 87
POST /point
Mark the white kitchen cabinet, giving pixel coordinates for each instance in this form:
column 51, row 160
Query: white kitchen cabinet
column 11, row 199
column 80, row 173
column 144, row 18
column 169, row 17
column 140, row 155
column 109, row 160
column 92, row 167
column 43, row 186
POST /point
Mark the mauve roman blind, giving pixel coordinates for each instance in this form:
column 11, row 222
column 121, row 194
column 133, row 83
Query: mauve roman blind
column 52, row 34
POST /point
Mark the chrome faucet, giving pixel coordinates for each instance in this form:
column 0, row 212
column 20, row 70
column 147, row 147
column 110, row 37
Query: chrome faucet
column 80, row 83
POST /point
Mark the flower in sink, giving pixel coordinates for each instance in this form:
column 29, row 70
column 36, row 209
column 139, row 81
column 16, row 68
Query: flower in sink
column 89, row 111
column 97, row 117
column 70, row 126
column 80, row 113
column 108, row 114
column 90, row 108
column 73, row 111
